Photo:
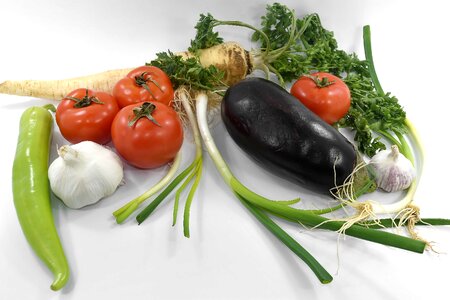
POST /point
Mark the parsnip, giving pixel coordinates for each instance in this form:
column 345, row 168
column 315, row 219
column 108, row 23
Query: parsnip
column 229, row 57
column 58, row 89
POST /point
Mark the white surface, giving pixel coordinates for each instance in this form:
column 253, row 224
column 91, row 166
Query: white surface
column 229, row 255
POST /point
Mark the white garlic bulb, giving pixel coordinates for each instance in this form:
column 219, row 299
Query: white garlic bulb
column 84, row 173
column 393, row 171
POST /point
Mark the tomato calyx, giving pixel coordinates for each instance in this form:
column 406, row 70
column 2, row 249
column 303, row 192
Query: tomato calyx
column 142, row 81
column 320, row 83
column 144, row 111
column 85, row 101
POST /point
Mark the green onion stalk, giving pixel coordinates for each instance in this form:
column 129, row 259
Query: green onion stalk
column 396, row 137
column 404, row 208
column 289, row 47
column 192, row 173
column 169, row 182
column 126, row 210
column 310, row 218
column 294, row 45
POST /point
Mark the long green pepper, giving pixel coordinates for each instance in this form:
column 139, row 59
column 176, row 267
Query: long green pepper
column 31, row 192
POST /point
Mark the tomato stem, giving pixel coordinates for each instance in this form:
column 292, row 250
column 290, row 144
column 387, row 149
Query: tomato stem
column 320, row 83
column 142, row 80
column 144, row 111
column 85, row 101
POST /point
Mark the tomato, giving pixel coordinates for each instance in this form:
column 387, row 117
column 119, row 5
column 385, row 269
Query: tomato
column 147, row 134
column 324, row 94
column 146, row 83
column 86, row 115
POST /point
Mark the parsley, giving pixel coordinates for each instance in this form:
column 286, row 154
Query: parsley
column 303, row 46
column 205, row 37
column 188, row 71
column 370, row 112
column 277, row 25
column 291, row 47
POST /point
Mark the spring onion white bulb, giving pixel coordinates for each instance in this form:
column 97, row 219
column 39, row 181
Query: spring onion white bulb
column 84, row 173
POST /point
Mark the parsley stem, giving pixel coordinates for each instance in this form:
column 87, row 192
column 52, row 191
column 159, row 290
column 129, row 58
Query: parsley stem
column 294, row 36
column 280, row 78
column 242, row 24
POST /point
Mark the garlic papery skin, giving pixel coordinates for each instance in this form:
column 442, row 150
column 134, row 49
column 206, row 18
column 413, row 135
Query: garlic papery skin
column 84, row 173
column 393, row 171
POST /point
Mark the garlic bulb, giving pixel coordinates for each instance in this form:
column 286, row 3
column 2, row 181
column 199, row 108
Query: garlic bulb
column 84, row 173
column 393, row 171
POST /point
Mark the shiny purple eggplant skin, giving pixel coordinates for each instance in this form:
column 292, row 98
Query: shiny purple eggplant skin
column 286, row 138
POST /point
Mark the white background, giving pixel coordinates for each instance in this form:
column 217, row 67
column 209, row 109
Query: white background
column 229, row 255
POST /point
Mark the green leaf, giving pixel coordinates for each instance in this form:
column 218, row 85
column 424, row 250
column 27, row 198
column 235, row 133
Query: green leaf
column 188, row 72
column 205, row 36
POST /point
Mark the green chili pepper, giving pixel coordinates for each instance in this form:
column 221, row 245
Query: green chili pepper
column 31, row 191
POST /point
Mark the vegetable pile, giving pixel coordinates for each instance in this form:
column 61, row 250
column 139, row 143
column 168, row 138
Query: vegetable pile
column 295, row 134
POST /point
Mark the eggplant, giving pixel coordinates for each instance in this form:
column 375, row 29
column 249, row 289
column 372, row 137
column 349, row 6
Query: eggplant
column 285, row 137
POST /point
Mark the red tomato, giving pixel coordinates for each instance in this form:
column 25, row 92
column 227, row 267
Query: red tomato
column 324, row 94
column 146, row 83
column 86, row 115
column 147, row 134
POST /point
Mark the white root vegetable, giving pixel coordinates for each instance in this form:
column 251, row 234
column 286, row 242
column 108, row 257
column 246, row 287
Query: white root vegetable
column 230, row 57
column 58, row 89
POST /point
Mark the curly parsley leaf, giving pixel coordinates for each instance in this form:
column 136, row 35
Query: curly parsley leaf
column 276, row 24
column 371, row 112
column 302, row 45
column 292, row 47
column 205, row 36
column 188, row 71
